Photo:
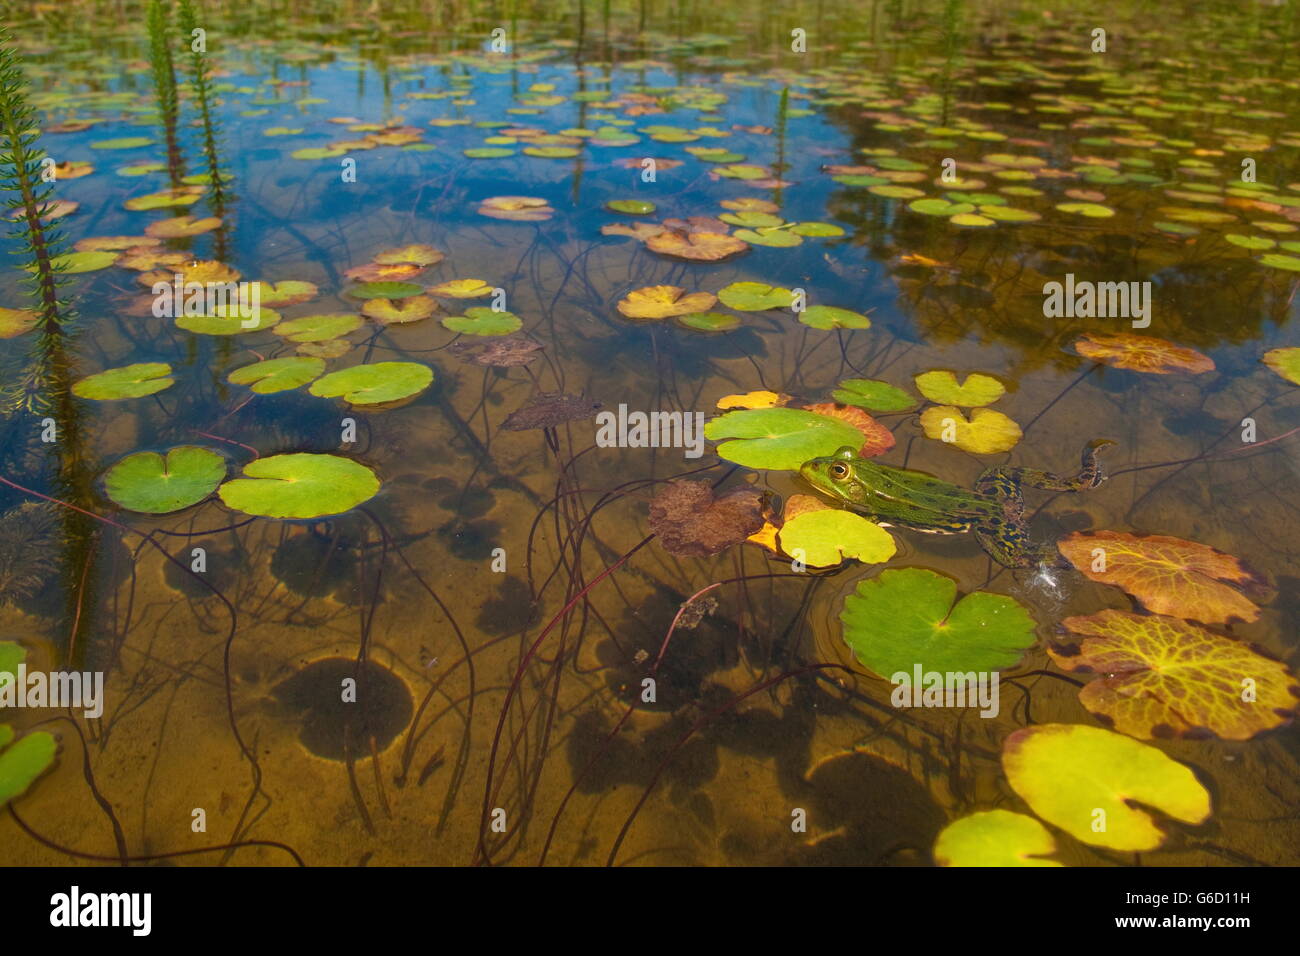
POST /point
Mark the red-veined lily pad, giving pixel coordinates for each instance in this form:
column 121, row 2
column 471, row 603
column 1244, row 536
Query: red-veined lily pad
column 690, row 521
column 22, row 762
column 375, row 272
column 156, row 484
column 279, row 374
column 877, row 438
column 941, row 386
column 400, row 311
column 875, row 395
column 824, row 537
column 695, row 246
column 374, row 384
column 995, row 838
column 1164, row 677
column 755, row 297
column 288, row 292
column 1142, row 353
column 905, row 618
column 827, row 318
column 461, row 289
column 664, row 301
column 129, row 381
column 1286, row 362
column 1168, row 575
column 631, row 207
column 385, row 290
column 1088, row 781
column 300, row 485
column 483, row 321
column 224, row 320
column 516, row 208
column 986, row 433
column 780, row 439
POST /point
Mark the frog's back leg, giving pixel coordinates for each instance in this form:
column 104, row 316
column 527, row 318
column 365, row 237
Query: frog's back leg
column 1089, row 476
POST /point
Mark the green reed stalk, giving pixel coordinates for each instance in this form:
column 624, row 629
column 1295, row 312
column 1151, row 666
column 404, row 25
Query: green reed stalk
column 164, row 85
column 200, row 83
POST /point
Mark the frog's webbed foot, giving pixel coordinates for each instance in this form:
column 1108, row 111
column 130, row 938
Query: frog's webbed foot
column 1089, row 476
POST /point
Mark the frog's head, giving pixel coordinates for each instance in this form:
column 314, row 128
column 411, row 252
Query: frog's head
column 835, row 475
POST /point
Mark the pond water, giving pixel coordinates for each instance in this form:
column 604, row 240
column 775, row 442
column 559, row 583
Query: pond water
column 479, row 642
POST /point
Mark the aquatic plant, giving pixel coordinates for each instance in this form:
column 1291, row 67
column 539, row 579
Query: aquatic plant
column 200, row 83
column 164, row 85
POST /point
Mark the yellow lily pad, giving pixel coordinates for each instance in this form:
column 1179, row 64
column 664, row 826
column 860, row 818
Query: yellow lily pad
column 941, row 386
column 986, row 433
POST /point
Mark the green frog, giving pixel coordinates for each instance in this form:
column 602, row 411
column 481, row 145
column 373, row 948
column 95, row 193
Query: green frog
column 994, row 510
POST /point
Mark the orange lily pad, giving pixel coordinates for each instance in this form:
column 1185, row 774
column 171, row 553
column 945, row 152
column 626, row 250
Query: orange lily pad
column 878, row 438
column 1142, row 353
column 1168, row 575
column 416, row 254
column 696, row 246
column 1164, row 677
column 664, row 301
column 383, row 272
column 517, row 208
column 181, row 226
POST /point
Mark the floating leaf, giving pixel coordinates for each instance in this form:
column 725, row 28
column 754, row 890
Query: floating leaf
column 1090, row 209
column 228, row 321
column 823, row 537
column 516, row 208
column 875, row 395
column 487, row 152
column 631, row 207
column 709, row 321
column 941, row 386
column 74, row 262
column 995, row 838
column 939, row 207
column 385, row 290
column 817, row 230
column 1286, row 362
column 756, row 399
column 690, row 522
column 1277, row 260
column 24, row 761
column 184, row 196
column 300, row 485
column 776, row 238
column 781, row 439
column 182, row 226
column 755, row 297
column 289, row 292
column 826, row 318
column 14, row 322
column 696, row 246
column 1067, row 772
column 461, row 289
column 483, row 321
column 905, row 619
column 664, row 301
column 129, row 381
column 401, row 311
column 124, row 142
column 877, row 439
column 986, row 433
column 1142, row 353
column 750, row 204
column 416, row 254
column 1168, row 575
column 378, row 272
column 751, row 219
column 376, row 383
column 278, row 375
column 153, row 484
column 1162, row 677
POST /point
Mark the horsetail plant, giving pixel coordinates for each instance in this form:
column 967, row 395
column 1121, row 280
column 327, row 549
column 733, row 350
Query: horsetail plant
column 25, row 173
column 199, row 81
column 164, row 85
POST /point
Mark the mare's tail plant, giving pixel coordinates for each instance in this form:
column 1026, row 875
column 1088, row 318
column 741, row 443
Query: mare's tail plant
column 199, row 76
column 22, row 167
column 164, row 85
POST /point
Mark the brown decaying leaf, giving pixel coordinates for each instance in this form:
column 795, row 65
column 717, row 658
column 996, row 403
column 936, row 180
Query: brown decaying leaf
column 548, row 409
column 691, row 522
column 504, row 352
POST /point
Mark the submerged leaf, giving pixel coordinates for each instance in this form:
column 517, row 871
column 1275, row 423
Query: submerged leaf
column 690, row 522
column 507, row 352
column 549, row 409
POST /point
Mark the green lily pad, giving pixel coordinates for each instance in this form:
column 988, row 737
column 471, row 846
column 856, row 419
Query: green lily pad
column 894, row 191
column 1284, row 361
column 225, row 320
column 995, row 838
column 872, row 394
column 487, row 152
column 776, row 238
column 481, row 320
column 385, row 290
column 824, row 538
column 1069, row 772
column 631, row 207
column 861, row 180
column 1090, row 209
column 755, row 297
column 11, row 655
column 816, row 230
column 320, row 328
column 1277, row 260
column 74, row 262
column 978, row 390
column 129, row 381
column 300, row 485
column 24, row 761
column 1003, row 213
column 1250, row 242
column 153, row 484
column 826, row 317
column 780, row 439
column 318, row 152
column 905, row 618
column 278, row 375
column 123, row 142
column 374, row 384
column 940, row 207
column 709, row 321
column 752, row 220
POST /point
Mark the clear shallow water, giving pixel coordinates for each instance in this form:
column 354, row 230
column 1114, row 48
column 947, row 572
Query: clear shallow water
column 222, row 704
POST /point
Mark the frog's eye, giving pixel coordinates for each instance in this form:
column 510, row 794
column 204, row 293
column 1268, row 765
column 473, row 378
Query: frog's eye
column 839, row 471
